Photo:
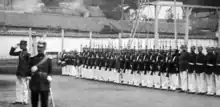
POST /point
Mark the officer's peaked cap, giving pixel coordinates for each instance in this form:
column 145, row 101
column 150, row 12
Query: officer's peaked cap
column 23, row 42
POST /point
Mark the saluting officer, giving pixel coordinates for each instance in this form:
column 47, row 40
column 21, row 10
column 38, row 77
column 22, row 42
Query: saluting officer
column 22, row 70
column 41, row 69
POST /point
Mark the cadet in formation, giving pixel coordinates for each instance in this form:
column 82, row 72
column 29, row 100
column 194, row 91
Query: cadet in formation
column 171, row 69
column 22, row 71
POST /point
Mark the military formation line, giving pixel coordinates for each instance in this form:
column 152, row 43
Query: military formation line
column 172, row 69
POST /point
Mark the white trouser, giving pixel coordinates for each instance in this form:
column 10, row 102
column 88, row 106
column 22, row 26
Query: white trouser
column 144, row 79
column 78, row 68
column 21, row 89
column 64, row 70
column 68, row 70
column 174, row 81
column 156, row 79
column 130, row 77
column 115, row 76
column 82, row 71
column 184, row 80
column 95, row 73
column 217, row 82
column 210, row 83
column 164, row 80
column 201, row 82
column 136, row 78
column 192, row 82
column 150, row 81
column 106, row 75
column 71, row 70
column 125, row 77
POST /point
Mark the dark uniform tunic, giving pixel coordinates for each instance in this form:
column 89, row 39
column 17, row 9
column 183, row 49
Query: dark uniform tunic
column 192, row 62
column 217, row 69
column 211, row 59
column 183, row 61
column 200, row 63
column 39, row 83
column 22, row 68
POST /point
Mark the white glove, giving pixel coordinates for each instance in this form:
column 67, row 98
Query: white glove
column 28, row 78
column 16, row 46
column 34, row 69
column 49, row 78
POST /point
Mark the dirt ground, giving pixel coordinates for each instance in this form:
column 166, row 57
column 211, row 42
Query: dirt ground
column 73, row 92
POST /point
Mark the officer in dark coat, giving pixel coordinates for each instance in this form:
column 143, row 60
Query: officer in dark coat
column 22, row 70
column 40, row 72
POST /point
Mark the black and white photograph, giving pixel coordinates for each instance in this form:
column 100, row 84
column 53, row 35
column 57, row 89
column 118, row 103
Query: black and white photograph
column 109, row 53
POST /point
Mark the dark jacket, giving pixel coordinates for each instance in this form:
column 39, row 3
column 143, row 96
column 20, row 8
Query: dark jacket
column 192, row 62
column 22, row 68
column 217, row 69
column 39, row 80
column 211, row 60
column 183, row 61
column 200, row 59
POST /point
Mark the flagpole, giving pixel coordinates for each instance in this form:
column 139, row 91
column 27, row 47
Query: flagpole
column 175, row 24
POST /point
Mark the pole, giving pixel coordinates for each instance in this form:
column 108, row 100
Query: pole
column 30, row 40
column 90, row 40
column 62, row 42
column 218, row 32
column 188, row 12
column 156, row 34
column 175, row 26
column 119, row 41
column 122, row 11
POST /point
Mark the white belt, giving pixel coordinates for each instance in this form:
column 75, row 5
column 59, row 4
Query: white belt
column 210, row 64
column 218, row 64
column 191, row 63
column 199, row 64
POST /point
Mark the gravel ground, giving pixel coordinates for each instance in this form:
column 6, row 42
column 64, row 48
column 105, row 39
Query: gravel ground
column 73, row 92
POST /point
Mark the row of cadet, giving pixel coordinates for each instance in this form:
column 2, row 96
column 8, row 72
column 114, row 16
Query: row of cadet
column 171, row 69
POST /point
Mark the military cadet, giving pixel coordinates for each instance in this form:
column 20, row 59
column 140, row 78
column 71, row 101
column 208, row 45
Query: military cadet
column 174, row 71
column 151, row 65
column 78, row 64
column 200, row 71
column 217, row 72
column 126, row 74
column 183, row 67
column 22, row 70
column 191, row 72
column 41, row 69
column 92, row 65
column 111, row 66
column 116, row 67
column 163, row 72
column 96, row 59
column 210, row 65
column 157, row 68
column 63, row 62
column 137, row 74
column 132, row 67
column 146, row 68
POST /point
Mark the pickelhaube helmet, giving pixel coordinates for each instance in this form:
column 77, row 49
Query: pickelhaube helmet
column 41, row 44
